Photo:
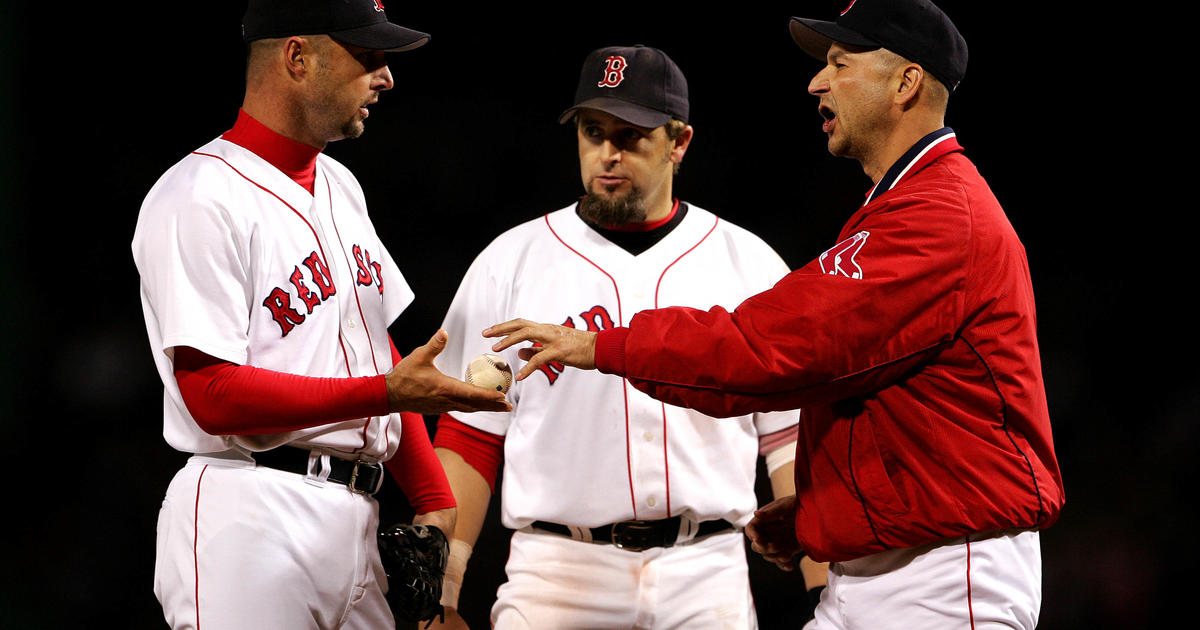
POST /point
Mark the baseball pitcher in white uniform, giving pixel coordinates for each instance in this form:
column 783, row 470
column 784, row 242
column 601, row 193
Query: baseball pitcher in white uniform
column 267, row 297
column 628, row 512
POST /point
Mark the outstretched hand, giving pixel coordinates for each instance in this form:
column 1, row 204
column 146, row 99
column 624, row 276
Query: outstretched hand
column 415, row 384
column 569, row 346
column 772, row 533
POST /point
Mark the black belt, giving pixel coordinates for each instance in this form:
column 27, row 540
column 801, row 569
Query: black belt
column 361, row 476
column 639, row 535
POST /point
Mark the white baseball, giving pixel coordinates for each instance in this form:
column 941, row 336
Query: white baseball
column 490, row 371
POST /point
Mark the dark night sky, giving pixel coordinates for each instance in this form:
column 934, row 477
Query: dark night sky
column 95, row 107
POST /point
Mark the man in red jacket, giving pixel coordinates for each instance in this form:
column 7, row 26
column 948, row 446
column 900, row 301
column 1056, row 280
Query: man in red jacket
column 925, row 465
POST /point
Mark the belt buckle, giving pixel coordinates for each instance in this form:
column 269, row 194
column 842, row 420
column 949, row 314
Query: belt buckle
column 354, row 478
column 635, row 535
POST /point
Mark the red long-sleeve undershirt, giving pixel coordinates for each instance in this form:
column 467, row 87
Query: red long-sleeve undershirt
column 229, row 399
column 480, row 449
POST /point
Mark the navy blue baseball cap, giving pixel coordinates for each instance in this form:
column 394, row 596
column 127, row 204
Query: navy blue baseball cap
column 361, row 23
column 914, row 29
column 637, row 84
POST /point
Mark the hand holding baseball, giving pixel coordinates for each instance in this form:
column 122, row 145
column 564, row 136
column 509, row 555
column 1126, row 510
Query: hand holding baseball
column 415, row 384
column 569, row 346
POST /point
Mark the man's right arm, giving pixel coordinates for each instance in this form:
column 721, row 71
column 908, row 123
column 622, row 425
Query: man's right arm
column 471, row 459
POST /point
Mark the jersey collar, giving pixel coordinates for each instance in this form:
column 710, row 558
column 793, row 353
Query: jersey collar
column 926, row 150
column 295, row 159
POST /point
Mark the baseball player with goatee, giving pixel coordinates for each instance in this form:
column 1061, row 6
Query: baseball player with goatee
column 267, row 296
column 925, row 465
column 628, row 512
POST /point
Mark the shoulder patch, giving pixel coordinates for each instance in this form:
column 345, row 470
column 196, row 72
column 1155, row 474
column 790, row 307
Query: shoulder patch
column 839, row 259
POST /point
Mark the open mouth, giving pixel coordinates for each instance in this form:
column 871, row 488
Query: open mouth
column 829, row 115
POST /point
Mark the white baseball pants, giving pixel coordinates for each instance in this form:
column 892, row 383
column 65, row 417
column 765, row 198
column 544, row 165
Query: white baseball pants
column 262, row 549
column 980, row 582
column 557, row 582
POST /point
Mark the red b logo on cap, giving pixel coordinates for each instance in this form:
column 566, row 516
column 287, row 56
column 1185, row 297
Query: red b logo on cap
column 379, row 5
column 614, row 72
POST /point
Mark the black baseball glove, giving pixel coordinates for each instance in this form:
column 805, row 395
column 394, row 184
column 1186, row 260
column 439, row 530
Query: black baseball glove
column 414, row 558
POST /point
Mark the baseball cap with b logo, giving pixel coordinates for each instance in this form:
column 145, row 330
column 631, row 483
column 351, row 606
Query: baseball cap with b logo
column 358, row 22
column 914, row 29
column 637, row 84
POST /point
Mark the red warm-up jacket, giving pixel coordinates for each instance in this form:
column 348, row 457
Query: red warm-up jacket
column 911, row 348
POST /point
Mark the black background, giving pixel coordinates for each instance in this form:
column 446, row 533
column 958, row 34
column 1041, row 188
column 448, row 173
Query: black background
column 98, row 101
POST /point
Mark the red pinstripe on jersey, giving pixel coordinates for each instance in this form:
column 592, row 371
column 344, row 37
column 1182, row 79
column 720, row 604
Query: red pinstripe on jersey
column 657, row 286
column 624, row 385
column 195, row 542
column 970, row 605
column 357, row 303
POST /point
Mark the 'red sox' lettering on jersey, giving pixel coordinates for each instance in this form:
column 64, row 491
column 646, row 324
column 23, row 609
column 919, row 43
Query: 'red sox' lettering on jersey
column 596, row 319
column 369, row 272
column 279, row 301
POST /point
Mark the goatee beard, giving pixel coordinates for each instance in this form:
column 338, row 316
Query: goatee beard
column 630, row 208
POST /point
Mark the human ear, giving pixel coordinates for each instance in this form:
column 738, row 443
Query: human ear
column 681, row 143
column 296, row 56
column 910, row 77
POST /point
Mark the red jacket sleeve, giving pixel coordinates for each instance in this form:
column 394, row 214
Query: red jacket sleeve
column 820, row 334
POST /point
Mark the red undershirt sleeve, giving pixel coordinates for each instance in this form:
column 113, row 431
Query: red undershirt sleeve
column 229, row 399
column 480, row 449
column 415, row 466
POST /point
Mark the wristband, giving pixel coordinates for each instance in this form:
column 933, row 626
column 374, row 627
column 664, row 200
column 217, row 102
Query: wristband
column 781, row 456
column 456, row 567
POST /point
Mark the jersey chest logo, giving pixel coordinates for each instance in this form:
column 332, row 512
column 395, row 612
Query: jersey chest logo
column 839, row 259
column 596, row 319
column 614, row 72
column 288, row 314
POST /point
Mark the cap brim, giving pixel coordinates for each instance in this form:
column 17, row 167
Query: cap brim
column 629, row 112
column 815, row 36
column 384, row 36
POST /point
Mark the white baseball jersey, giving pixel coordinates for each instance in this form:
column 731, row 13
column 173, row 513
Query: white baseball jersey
column 240, row 262
column 583, row 448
